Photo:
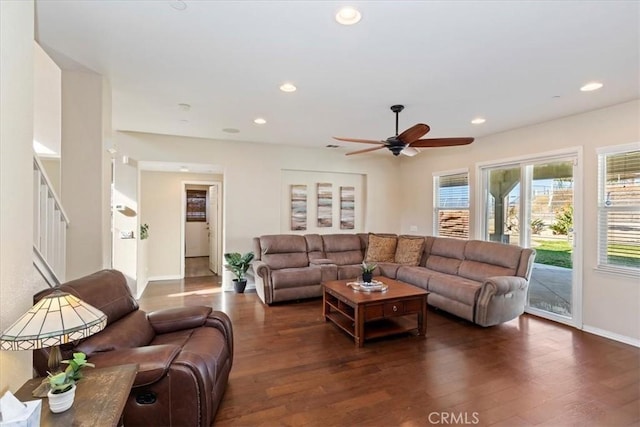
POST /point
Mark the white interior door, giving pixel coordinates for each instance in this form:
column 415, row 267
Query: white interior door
column 215, row 235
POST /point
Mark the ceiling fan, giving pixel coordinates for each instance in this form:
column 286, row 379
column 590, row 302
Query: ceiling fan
column 408, row 140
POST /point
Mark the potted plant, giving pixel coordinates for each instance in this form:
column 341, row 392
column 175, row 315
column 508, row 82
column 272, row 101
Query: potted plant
column 63, row 384
column 238, row 264
column 367, row 272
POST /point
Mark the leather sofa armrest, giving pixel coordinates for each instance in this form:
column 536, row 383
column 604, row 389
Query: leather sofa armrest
column 502, row 285
column 179, row 318
column 153, row 361
column 221, row 321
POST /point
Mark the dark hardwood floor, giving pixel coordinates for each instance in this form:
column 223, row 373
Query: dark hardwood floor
column 293, row 369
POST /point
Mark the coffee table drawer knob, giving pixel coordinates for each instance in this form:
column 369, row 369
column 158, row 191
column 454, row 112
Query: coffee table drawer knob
column 395, row 308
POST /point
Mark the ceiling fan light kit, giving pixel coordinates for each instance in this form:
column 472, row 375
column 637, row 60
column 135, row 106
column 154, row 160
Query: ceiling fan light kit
column 407, row 141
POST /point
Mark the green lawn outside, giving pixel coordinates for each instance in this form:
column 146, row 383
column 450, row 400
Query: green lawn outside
column 558, row 253
column 553, row 252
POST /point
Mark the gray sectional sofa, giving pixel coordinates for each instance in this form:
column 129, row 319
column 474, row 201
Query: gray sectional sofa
column 483, row 282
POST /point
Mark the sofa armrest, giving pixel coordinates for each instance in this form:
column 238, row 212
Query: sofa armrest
column 502, row 285
column 262, row 278
column 179, row 318
column 153, row 361
column 221, row 321
column 502, row 298
column 321, row 261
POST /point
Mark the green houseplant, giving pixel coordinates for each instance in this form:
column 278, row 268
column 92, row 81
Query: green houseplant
column 367, row 272
column 238, row 264
column 63, row 384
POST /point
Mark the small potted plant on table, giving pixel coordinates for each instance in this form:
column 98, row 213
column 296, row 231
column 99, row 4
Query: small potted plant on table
column 367, row 272
column 238, row 264
column 63, row 384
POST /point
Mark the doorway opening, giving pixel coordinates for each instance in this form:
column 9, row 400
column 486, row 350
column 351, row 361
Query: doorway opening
column 201, row 249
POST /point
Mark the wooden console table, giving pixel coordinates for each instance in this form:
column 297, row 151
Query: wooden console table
column 100, row 398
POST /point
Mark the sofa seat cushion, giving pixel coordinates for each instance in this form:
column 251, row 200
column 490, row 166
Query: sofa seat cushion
column 296, row 277
column 349, row 272
column 416, row 276
column 456, row 288
column 381, row 248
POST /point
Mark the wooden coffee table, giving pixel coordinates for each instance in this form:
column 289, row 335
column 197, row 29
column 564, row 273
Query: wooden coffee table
column 366, row 315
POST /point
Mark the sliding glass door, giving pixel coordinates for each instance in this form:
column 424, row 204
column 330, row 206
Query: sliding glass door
column 530, row 203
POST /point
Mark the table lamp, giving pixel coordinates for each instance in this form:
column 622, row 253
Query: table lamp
column 58, row 318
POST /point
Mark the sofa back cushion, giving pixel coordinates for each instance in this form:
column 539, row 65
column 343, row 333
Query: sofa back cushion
column 409, row 250
column 446, row 255
column 487, row 259
column 106, row 290
column 315, row 249
column 343, row 249
column 381, row 248
column 133, row 330
column 284, row 251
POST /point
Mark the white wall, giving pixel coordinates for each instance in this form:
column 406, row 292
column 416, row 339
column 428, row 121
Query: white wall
column 311, row 180
column 610, row 303
column 252, row 184
column 18, row 282
column 161, row 195
column 47, row 114
column 125, row 250
column 82, row 163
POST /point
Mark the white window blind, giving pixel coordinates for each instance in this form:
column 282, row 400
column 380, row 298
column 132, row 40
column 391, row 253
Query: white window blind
column 619, row 211
column 451, row 205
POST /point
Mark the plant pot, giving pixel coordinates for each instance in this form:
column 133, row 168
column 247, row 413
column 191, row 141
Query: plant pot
column 239, row 285
column 367, row 277
column 60, row 402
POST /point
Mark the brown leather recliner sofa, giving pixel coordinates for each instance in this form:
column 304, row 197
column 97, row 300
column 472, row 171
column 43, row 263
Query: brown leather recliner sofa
column 483, row 282
column 184, row 354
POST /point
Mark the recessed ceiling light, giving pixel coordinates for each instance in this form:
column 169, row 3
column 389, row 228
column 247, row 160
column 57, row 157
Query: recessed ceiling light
column 331, row 146
column 184, row 121
column 478, row 121
column 288, row 87
column 178, row 4
column 591, row 86
column 348, row 16
column 184, row 107
column 231, row 130
column 259, row 121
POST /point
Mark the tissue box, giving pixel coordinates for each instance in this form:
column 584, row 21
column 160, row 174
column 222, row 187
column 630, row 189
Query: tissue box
column 29, row 418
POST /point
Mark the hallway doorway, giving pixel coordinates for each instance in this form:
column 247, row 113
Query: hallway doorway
column 197, row 267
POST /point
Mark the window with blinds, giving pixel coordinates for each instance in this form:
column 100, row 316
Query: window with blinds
column 451, row 205
column 619, row 209
column 196, row 205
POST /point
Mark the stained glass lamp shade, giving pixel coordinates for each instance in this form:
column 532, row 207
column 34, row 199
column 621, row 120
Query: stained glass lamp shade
column 58, row 318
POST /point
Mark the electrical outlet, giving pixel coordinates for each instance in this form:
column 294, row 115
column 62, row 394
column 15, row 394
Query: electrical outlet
column 413, row 228
column 126, row 234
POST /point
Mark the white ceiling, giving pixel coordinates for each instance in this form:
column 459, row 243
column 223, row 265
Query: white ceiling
column 515, row 63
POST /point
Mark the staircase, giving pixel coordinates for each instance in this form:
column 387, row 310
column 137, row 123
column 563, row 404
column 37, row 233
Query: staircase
column 50, row 224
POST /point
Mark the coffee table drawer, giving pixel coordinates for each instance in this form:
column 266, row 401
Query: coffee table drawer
column 373, row 311
column 395, row 308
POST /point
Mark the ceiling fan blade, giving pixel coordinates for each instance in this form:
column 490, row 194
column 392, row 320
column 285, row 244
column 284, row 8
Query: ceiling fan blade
column 413, row 133
column 440, row 142
column 366, row 150
column 366, row 141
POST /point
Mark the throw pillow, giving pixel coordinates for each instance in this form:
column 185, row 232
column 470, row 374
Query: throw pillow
column 409, row 250
column 381, row 248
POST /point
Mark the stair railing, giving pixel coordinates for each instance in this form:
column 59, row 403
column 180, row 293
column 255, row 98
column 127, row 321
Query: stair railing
column 50, row 224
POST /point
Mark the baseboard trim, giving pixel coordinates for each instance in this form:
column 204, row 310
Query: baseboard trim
column 607, row 334
column 172, row 277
